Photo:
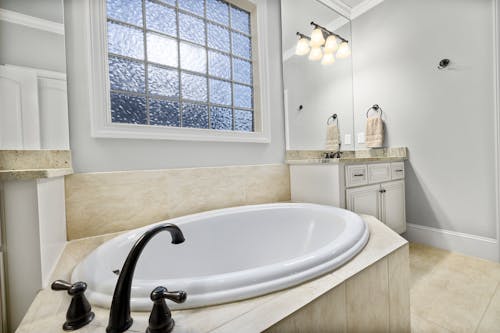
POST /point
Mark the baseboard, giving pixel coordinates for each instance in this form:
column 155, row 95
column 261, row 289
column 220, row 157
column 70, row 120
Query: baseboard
column 472, row 245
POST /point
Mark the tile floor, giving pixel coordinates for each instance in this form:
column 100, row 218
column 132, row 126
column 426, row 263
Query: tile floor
column 453, row 293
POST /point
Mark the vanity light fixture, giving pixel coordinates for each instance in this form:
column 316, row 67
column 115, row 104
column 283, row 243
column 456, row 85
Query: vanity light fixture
column 328, row 59
column 317, row 38
column 302, row 45
column 344, row 51
column 316, row 54
column 322, row 45
column 331, row 44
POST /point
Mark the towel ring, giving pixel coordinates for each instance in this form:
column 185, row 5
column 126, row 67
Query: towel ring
column 374, row 107
column 333, row 118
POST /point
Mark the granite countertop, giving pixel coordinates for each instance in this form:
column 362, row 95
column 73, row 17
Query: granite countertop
column 24, row 174
column 32, row 164
column 47, row 312
column 348, row 157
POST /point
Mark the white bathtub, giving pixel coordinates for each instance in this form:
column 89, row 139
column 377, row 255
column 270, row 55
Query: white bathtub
column 229, row 254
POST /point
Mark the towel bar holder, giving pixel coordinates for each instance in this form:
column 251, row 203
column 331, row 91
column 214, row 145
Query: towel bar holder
column 376, row 108
column 333, row 118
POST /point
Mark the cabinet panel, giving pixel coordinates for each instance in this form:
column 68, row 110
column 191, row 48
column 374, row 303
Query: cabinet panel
column 356, row 175
column 393, row 205
column 19, row 123
column 397, row 170
column 364, row 200
column 380, row 172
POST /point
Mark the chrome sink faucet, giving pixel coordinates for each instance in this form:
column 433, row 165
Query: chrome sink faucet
column 119, row 314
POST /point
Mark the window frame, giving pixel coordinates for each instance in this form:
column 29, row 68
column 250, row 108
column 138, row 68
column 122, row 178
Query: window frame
column 103, row 127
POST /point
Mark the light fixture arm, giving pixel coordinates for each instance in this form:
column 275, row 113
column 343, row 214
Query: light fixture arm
column 301, row 35
column 327, row 32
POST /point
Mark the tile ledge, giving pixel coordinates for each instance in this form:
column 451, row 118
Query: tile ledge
column 26, row 174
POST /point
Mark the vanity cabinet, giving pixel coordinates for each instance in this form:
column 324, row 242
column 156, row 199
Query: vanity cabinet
column 385, row 201
column 376, row 189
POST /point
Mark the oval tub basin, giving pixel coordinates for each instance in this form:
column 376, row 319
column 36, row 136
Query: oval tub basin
column 229, row 254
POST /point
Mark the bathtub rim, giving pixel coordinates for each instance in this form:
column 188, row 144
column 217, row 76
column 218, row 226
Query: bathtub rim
column 221, row 296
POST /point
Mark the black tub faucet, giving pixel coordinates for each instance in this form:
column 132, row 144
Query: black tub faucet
column 119, row 314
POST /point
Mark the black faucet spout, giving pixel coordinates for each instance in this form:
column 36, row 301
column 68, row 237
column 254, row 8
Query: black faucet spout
column 119, row 314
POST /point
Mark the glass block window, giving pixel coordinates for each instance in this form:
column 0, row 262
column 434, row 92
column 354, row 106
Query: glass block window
column 180, row 63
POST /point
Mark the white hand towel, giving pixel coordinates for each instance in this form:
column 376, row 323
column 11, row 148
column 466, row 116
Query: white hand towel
column 332, row 138
column 374, row 132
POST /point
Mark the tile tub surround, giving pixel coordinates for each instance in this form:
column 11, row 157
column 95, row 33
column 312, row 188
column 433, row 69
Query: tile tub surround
column 101, row 203
column 384, row 257
column 350, row 156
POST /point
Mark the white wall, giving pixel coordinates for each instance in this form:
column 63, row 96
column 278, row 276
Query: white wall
column 46, row 9
column 24, row 46
column 445, row 118
column 90, row 154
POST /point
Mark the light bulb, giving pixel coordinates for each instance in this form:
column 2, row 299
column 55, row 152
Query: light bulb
column 316, row 54
column 317, row 38
column 302, row 47
column 331, row 44
column 344, row 51
column 328, row 59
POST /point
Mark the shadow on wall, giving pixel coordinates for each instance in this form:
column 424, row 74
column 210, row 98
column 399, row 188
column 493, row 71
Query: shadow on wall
column 422, row 207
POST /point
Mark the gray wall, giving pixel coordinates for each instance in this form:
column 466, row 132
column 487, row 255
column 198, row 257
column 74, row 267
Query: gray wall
column 24, row 46
column 91, row 154
column 445, row 118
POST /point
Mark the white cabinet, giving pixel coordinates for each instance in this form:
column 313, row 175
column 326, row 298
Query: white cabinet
column 385, row 201
column 364, row 200
column 376, row 189
column 393, row 205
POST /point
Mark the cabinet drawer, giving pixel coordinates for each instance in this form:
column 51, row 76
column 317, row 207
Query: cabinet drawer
column 356, row 175
column 380, row 172
column 398, row 170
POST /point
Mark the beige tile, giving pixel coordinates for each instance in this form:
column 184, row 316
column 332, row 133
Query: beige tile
column 100, row 203
column 399, row 290
column 423, row 260
column 312, row 317
column 420, row 325
column 456, row 289
column 490, row 322
column 267, row 183
column 368, row 299
column 201, row 189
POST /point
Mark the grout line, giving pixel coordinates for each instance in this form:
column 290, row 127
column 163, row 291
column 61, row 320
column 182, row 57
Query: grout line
column 487, row 307
column 412, row 314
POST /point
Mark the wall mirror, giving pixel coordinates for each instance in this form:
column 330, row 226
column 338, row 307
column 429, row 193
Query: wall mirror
column 317, row 81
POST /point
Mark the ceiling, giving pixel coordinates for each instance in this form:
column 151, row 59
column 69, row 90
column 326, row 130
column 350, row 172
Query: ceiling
column 352, row 3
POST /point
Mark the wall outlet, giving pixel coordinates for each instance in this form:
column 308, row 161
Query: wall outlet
column 347, row 139
column 361, row 137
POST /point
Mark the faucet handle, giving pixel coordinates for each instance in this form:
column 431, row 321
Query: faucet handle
column 79, row 312
column 160, row 293
column 160, row 320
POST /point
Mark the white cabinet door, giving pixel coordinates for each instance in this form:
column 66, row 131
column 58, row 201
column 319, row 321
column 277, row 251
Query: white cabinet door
column 364, row 200
column 393, row 205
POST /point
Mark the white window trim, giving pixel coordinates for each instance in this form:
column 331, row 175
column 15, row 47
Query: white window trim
column 100, row 115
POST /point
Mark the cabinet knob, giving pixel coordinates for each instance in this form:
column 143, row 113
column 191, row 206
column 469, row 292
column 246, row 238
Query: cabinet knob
column 382, row 191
